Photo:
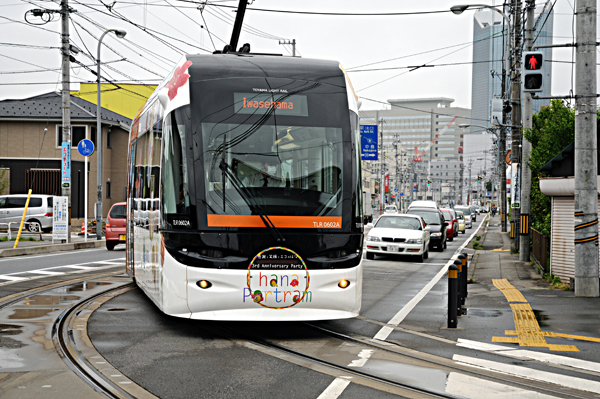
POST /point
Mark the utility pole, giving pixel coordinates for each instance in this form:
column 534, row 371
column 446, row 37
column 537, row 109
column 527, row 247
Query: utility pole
column 516, row 121
column 66, row 104
column 586, row 190
column 527, row 124
column 292, row 43
column 382, row 163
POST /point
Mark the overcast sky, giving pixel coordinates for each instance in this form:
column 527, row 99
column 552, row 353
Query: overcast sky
column 174, row 27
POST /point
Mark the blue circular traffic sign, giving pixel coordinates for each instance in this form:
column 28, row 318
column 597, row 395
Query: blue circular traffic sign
column 85, row 147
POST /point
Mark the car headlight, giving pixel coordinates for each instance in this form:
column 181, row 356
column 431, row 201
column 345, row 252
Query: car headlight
column 373, row 238
column 436, row 234
column 414, row 241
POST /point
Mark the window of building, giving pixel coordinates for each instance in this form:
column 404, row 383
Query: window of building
column 108, row 134
column 108, row 189
column 78, row 133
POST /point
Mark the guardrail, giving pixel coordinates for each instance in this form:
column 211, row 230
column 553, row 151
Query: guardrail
column 8, row 227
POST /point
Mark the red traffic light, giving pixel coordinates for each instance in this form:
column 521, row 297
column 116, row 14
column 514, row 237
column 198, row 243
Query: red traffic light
column 533, row 61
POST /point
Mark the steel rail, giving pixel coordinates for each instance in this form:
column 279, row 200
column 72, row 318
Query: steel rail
column 65, row 345
column 526, row 384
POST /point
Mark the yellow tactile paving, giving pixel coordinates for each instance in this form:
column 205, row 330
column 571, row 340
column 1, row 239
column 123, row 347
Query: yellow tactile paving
column 508, row 340
column 527, row 329
column 570, row 336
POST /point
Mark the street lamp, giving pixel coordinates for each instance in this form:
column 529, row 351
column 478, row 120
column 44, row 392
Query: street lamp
column 120, row 34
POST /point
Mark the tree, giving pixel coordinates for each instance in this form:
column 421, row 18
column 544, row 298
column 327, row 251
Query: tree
column 553, row 129
column 488, row 185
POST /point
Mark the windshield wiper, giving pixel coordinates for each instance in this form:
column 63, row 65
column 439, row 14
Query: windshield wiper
column 249, row 199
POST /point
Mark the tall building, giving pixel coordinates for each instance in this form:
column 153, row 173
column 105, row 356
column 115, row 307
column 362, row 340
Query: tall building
column 488, row 56
column 408, row 131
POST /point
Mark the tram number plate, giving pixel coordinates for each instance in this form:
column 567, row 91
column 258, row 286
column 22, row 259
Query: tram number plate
column 393, row 248
column 122, row 237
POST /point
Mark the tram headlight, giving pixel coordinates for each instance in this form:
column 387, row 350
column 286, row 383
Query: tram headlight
column 344, row 283
column 204, row 284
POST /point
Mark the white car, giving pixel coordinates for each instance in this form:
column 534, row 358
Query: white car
column 399, row 234
column 391, row 209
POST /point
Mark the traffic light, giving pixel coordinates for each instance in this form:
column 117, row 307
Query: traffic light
column 428, row 183
column 478, row 179
column 533, row 71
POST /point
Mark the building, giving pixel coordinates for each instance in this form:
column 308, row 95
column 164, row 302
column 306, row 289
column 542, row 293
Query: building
column 489, row 44
column 420, row 163
column 481, row 160
column 30, row 149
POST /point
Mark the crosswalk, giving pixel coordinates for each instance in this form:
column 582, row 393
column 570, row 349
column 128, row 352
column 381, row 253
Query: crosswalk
column 59, row 270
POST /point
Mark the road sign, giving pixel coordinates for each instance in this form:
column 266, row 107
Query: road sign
column 396, row 190
column 60, row 218
column 515, row 205
column 414, row 190
column 85, row 147
column 368, row 142
column 402, row 194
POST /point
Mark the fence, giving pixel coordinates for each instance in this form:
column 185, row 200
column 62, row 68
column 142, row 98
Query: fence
column 540, row 249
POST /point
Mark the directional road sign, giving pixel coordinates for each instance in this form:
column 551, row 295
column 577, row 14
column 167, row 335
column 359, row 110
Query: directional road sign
column 368, row 142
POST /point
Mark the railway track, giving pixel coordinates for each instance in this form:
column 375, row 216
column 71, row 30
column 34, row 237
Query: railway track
column 69, row 337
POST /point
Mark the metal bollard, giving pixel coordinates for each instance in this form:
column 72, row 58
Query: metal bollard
column 452, row 296
column 459, row 293
column 463, row 278
column 466, row 269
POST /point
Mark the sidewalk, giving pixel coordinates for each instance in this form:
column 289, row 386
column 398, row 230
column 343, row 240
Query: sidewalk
column 509, row 303
column 46, row 246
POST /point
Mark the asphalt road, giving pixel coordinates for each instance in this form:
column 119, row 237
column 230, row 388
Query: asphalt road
column 178, row 358
column 35, row 262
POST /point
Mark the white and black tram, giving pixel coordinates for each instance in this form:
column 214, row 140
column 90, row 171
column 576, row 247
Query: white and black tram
column 244, row 191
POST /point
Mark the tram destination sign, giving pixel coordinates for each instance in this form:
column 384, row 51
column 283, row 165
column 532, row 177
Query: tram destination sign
column 368, row 142
column 261, row 103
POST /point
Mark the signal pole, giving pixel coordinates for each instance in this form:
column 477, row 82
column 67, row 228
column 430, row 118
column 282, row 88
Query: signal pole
column 292, row 43
column 516, row 121
column 527, row 124
column 66, row 103
column 586, row 190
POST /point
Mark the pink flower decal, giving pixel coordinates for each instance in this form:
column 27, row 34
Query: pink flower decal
column 294, row 282
column 257, row 296
column 273, row 283
column 180, row 77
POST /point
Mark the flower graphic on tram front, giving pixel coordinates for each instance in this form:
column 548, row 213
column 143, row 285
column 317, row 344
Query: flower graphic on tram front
column 277, row 278
column 180, row 77
column 257, row 296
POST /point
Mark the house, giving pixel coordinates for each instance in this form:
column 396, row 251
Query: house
column 561, row 187
column 30, row 149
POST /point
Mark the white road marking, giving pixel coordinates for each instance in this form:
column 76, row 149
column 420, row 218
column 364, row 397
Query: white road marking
column 336, row 388
column 45, row 272
column 385, row 331
column 471, row 387
column 530, row 355
column 363, row 356
column 11, row 278
column 79, row 267
column 13, row 258
column 531, row 374
column 105, row 262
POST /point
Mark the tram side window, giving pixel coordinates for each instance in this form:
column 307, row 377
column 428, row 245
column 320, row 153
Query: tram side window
column 175, row 186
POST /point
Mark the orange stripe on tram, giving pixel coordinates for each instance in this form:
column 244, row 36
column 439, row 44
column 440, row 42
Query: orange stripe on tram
column 282, row 222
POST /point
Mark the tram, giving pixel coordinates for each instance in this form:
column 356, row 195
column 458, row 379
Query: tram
column 244, row 191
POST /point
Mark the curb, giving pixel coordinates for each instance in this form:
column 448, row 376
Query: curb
column 46, row 249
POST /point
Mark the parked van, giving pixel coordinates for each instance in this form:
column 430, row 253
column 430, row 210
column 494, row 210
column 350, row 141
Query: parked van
column 39, row 210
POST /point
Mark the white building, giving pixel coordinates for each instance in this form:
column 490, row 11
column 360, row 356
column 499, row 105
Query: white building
column 412, row 151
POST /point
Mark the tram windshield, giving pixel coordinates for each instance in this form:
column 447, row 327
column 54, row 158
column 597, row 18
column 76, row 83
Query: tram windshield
column 275, row 147
column 295, row 170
